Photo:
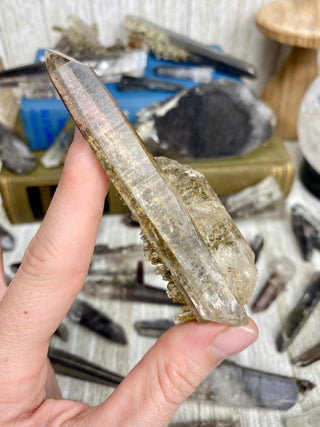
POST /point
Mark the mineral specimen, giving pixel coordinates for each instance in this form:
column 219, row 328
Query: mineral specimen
column 282, row 270
column 217, row 119
column 14, row 153
column 308, row 357
column 57, row 152
column 128, row 83
column 166, row 44
column 124, row 289
column 187, row 232
column 65, row 363
column 152, row 328
column 62, row 332
column 300, row 314
column 200, row 74
column 88, row 316
column 117, row 262
column 264, row 197
column 306, row 229
column 234, row 385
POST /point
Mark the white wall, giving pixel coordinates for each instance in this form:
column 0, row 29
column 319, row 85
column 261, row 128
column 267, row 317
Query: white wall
column 26, row 25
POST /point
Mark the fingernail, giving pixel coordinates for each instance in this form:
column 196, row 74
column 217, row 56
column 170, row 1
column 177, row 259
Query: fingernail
column 232, row 340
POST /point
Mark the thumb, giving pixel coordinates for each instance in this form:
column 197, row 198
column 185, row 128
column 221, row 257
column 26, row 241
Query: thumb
column 169, row 373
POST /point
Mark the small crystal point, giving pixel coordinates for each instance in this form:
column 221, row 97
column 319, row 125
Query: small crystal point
column 308, row 357
column 153, row 328
column 282, row 270
column 234, row 385
column 186, row 230
column 88, row 316
column 300, row 313
column 306, row 229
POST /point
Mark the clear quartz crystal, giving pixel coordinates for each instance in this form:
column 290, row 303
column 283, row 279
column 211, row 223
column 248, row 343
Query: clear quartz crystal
column 187, row 232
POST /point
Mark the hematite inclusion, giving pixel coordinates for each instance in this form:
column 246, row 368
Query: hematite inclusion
column 187, row 231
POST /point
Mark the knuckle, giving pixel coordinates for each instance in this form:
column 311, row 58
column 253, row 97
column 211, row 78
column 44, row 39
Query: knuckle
column 37, row 259
column 174, row 382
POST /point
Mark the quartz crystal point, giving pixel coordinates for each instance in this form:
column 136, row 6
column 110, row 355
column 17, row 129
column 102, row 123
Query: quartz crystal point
column 152, row 328
column 124, row 289
column 187, row 232
column 120, row 261
column 128, row 83
column 300, row 313
column 234, row 385
column 308, row 357
column 65, row 363
column 166, row 44
column 200, row 74
column 57, row 152
column 306, row 229
column 86, row 315
column 282, row 270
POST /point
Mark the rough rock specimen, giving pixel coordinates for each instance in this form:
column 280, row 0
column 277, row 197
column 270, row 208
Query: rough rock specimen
column 187, row 232
column 262, row 198
column 217, row 119
column 14, row 153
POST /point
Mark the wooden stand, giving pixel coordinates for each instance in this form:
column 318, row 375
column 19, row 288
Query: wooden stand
column 286, row 89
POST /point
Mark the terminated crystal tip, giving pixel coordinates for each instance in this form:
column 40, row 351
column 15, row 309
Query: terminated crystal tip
column 188, row 234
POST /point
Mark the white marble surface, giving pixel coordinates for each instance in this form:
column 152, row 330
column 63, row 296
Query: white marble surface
column 262, row 355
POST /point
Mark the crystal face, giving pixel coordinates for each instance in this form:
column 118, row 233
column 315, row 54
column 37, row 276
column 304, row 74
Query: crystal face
column 187, row 231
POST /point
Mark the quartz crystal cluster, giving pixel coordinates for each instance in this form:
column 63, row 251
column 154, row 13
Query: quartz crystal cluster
column 187, row 232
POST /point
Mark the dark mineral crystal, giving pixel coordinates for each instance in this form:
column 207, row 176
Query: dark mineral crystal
column 65, row 363
column 235, row 385
column 308, row 357
column 62, row 332
column 217, row 119
column 300, row 314
column 282, row 270
column 306, row 229
column 153, row 328
column 86, row 315
column 135, row 290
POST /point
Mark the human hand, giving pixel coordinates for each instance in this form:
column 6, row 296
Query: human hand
column 52, row 272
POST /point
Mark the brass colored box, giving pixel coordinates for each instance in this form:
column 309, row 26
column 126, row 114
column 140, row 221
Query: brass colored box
column 27, row 197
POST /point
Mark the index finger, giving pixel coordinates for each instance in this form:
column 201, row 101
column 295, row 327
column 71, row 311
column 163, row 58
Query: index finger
column 56, row 262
